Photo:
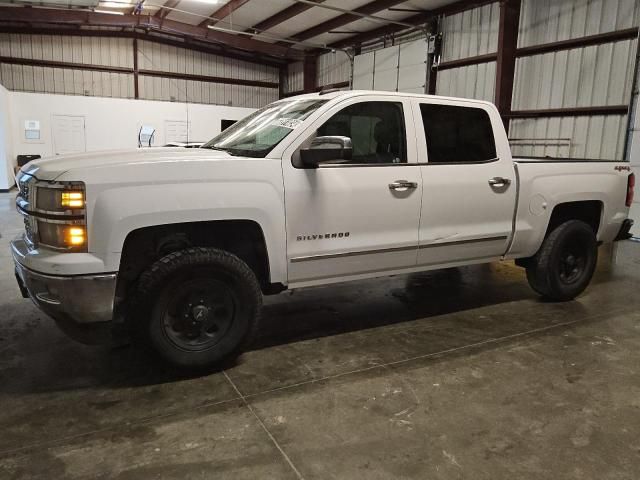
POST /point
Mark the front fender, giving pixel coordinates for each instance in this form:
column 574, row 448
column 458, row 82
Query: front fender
column 117, row 211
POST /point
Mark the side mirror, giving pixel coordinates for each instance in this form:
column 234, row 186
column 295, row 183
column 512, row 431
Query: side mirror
column 330, row 149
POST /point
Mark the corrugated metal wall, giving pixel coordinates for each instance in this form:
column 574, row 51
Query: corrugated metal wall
column 473, row 81
column 596, row 75
column 468, row 34
column 295, row 78
column 115, row 52
column 333, row 67
column 590, row 76
column 545, row 21
column 167, row 58
column 599, row 75
column 111, row 52
column 118, row 52
column 578, row 137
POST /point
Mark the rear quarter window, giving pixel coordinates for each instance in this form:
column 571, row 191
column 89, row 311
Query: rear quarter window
column 457, row 134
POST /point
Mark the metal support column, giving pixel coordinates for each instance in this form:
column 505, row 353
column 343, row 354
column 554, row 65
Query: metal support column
column 310, row 71
column 506, row 61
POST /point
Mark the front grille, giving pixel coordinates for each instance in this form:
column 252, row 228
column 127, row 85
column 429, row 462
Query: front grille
column 31, row 229
column 26, row 189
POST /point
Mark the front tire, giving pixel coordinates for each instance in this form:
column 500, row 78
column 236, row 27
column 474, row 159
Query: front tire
column 197, row 307
column 564, row 265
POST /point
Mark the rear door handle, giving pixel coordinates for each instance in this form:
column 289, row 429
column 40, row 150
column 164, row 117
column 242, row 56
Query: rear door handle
column 402, row 185
column 499, row 182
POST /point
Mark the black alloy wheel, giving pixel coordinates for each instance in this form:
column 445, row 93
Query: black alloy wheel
column 196, row 307
column 566, row 261
column 198, row 314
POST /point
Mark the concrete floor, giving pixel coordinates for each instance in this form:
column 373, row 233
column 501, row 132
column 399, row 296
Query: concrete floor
column 462, row 373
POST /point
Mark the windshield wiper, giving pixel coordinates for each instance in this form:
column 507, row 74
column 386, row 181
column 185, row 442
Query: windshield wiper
column 213, row 147
column 231, row 151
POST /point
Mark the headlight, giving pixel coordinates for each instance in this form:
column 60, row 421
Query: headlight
column 62, row 235
column 55, row 214
column 61, row 198
column 72, row 199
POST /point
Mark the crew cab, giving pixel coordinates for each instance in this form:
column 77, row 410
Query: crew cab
column 179, row 245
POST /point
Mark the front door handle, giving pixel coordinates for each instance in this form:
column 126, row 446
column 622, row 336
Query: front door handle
column 499, row 182
column 402, row 185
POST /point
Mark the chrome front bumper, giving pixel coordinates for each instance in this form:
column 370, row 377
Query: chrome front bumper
column 81, row 299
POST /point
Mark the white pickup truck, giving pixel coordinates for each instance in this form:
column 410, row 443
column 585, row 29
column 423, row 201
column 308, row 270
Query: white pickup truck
column 179, row 245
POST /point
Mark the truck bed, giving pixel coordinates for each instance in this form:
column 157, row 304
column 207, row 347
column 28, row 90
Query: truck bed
column 544, row 183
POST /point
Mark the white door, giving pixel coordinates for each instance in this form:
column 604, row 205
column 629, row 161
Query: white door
column 469, row 183
column 360, row 217
column 68, row 134
column 176, row 131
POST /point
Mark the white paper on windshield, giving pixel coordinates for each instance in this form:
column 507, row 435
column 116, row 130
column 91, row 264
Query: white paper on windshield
column 290, row 123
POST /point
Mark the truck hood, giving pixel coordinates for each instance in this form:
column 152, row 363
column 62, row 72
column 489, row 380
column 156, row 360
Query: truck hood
column 53, row 167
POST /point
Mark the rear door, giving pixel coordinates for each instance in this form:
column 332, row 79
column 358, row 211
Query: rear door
column 469, row 182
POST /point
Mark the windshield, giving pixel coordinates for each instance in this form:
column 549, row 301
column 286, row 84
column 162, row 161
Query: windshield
column 257, row 134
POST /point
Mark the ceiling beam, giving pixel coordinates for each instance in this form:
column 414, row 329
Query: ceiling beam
column 346, row 18
column 418, row 19
column 282, row 16
column 571, row 112
column 165, row 10
column 48, row 16
column 223, row 12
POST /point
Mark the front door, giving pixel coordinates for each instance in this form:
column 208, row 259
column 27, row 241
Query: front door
column 356, row 218
column 469, row 183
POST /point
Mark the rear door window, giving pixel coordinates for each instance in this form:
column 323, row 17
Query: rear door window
column 457, row 134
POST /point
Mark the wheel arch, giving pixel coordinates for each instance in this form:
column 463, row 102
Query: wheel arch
column 241, row 237
column 588, row 211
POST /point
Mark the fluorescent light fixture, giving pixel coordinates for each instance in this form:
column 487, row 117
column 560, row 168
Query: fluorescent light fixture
column 111, row 12
column 210, row 2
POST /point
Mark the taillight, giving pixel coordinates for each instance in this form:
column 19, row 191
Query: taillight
column 631, row 183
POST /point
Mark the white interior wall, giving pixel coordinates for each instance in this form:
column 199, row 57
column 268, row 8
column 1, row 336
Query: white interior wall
column 6, row 147
column 110, row 123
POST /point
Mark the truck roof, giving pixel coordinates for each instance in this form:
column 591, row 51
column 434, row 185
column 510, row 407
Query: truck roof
column 353, row 93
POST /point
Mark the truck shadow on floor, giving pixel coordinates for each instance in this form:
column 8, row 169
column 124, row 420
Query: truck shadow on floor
column 342, row 308
column 32, row 365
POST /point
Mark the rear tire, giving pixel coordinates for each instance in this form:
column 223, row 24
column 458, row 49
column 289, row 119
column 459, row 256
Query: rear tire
column 197, row 307
column 564, row 265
